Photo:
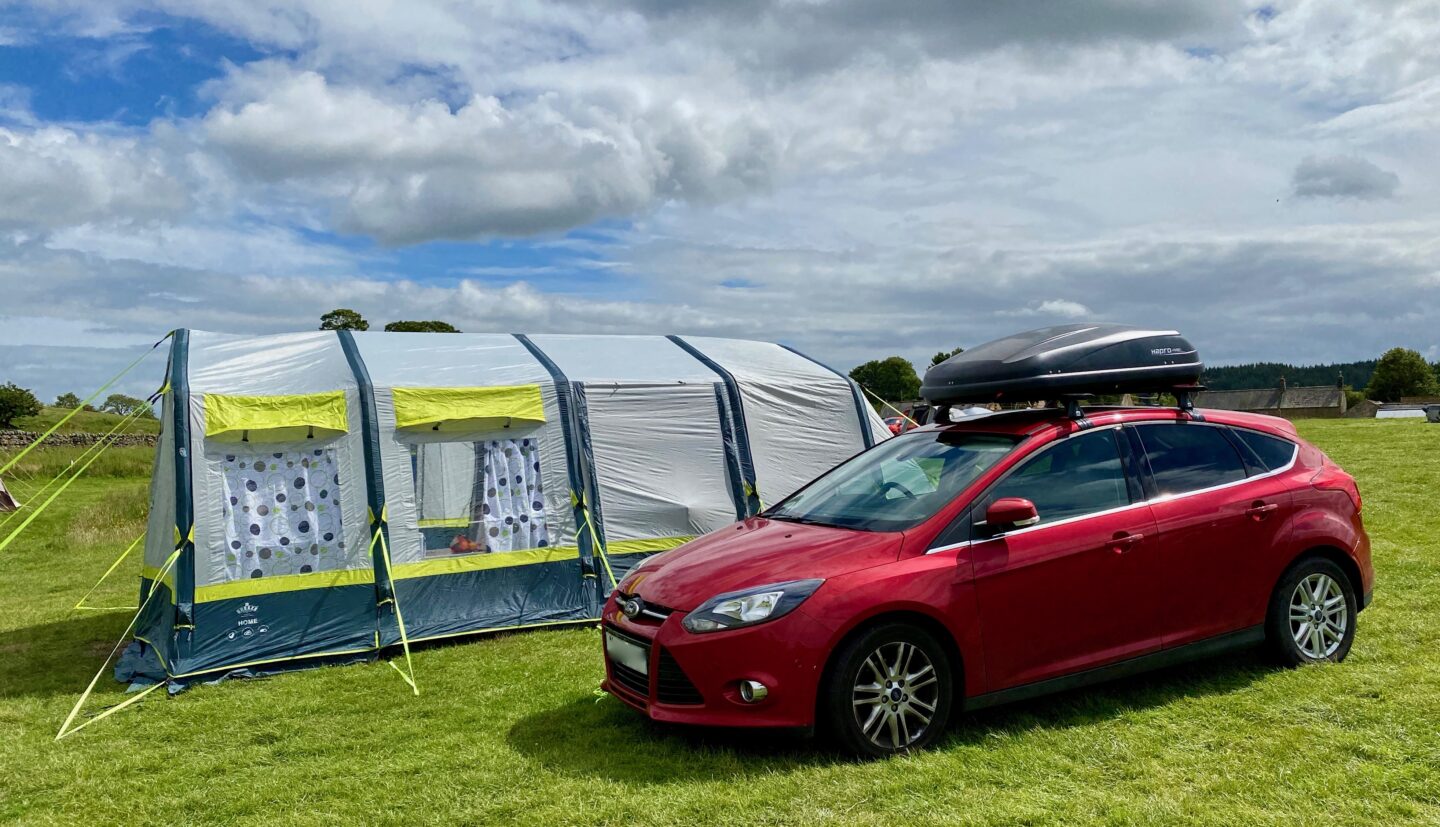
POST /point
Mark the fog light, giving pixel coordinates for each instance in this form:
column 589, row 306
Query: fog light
column 753, row 692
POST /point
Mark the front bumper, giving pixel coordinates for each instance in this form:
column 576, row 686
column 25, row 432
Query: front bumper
column 695, row 679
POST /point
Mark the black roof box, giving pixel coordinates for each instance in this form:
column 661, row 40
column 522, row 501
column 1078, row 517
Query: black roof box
column 1067, row 359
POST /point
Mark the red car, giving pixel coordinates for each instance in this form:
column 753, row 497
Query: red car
column 966, row 565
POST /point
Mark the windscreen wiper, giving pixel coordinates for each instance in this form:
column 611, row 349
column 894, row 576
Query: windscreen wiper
column 804, row 520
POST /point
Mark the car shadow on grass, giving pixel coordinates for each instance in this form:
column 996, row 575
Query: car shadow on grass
column 57, row 658
column 591, row 737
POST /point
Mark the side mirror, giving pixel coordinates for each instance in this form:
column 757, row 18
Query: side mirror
column 1011, row 512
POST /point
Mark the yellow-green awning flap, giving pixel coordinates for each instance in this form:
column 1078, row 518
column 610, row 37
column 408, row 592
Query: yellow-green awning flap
column 468, row 409
column 275, row 418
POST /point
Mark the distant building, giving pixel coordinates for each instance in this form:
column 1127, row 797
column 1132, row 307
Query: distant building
column 1306, row 402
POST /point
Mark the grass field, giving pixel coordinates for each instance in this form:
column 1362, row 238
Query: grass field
column 85, row 422
column 509, row 729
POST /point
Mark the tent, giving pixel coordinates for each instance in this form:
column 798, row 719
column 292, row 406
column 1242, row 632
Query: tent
column 7, row 502
column 321, row 496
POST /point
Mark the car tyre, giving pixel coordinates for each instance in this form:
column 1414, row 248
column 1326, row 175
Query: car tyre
column 1311, row 618
column 890, row 691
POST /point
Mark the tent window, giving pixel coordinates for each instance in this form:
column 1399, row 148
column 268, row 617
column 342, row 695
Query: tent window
column 282, row 513
column 474, row 497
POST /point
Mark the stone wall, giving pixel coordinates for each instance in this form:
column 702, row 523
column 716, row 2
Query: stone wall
column 19, row 439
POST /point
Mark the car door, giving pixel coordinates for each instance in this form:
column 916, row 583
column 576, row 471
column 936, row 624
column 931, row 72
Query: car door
column 1067, row 593
column 1218, row 518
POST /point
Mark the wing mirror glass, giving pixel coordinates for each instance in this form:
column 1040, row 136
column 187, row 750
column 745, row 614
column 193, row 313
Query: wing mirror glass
column 1010, row 512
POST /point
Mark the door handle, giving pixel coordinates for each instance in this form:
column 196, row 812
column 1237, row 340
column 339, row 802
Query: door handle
column 1123, row 541
column 1258, row 510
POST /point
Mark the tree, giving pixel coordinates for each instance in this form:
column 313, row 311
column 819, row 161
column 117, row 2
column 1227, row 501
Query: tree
column 343, row 318
column 892, row 379
column 420, row 327
column 119, row 403
column 67, row 400
column 1401, row 372
column 942, row 356
column 16, row 402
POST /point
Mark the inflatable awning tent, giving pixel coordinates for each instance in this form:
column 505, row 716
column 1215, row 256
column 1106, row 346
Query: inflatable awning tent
column 306, row 485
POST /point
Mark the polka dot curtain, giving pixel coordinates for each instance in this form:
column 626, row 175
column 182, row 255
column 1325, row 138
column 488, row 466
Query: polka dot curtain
column 512, row 504
column 282, row 513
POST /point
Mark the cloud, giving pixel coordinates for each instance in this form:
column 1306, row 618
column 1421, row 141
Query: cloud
column 407, row 172
column 853, row 180
column 53, row 177
column 1343, row 177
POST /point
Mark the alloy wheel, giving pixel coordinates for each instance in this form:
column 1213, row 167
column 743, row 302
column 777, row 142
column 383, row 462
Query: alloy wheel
column 1319, row 616
column 895, row 695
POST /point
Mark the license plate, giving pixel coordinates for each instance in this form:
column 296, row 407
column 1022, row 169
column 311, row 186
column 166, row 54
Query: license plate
column 628, row 654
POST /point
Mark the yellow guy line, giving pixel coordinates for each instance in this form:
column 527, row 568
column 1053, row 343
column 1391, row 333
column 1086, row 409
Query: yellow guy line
column 888, row 405
column 399, row 617
column 41, row 508
column 102, row 444
column 113, row 566
column 65, row 729
column 82, row 405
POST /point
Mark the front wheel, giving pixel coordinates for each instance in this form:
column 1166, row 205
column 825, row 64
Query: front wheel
column 1312, row 614
column 889, row 692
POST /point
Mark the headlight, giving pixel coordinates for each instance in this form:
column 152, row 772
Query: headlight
column 747, row 607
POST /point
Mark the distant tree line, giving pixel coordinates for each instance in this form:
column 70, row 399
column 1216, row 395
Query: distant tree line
column 1399, row 373
column 343, row 318
column 1267, row 375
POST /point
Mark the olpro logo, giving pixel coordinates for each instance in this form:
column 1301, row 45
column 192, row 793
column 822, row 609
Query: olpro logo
column 247, row 608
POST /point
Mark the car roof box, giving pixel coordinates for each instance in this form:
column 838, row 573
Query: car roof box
column 1072, row 359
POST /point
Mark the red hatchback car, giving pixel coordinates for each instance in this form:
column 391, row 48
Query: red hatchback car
column 961, row 566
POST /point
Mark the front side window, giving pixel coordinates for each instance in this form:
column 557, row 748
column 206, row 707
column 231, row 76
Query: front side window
column 1189, row 457
column 282, row 512
column 483, row 496
column 1076, row 476
column 898, row 484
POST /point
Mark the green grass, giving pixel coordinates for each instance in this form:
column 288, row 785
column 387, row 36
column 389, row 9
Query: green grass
column 84, row 422
column 508, row 729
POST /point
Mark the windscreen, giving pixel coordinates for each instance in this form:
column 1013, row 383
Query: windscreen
column 898, row 484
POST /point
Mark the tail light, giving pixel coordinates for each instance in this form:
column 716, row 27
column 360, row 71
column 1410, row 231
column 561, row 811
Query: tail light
column 1331, row 477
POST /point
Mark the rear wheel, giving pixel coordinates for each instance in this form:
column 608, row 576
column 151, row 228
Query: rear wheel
column 1312, row 614
column 889, row 692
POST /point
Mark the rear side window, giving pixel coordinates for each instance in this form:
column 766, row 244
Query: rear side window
column 1076, row 476
column 1273, row 451
column 1189, row 457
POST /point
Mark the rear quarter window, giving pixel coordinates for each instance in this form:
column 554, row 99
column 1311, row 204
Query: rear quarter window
column 1189, row 457
column 1273, row 451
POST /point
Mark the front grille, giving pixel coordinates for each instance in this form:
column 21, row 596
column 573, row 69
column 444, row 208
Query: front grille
column 630, row 679
column 672, row 686
column 624, row 675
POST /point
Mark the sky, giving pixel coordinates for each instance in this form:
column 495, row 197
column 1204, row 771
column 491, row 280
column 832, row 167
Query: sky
column 854, row 179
